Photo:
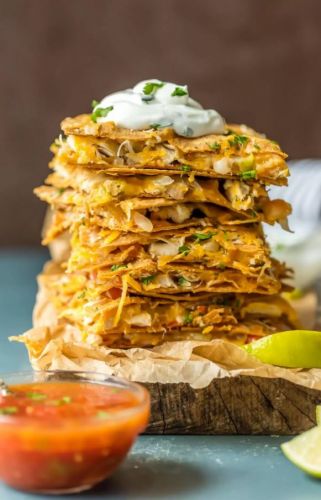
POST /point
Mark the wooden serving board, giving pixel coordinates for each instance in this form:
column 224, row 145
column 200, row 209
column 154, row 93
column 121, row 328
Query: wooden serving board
column 233, row 405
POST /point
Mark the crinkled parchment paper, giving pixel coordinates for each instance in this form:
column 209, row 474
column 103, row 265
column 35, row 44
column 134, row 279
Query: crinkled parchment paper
column 196, row 363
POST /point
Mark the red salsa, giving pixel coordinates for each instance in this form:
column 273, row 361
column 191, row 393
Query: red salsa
column 64, row 436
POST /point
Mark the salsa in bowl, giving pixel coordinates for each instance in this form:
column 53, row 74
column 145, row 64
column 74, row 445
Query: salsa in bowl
column 65, row 431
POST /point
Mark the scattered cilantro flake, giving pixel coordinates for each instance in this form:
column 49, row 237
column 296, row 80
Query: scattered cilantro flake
column 238, row 141
column 36, row 396
column 151, row 87
column 8, row 410
column 188, row 318
column 64, row 400
column 165, row 124
column 147, row 98
column 146, row 280
column 221, row 266
column 257, row 146
column 81, row 295
column 182, row 281
column 94, row 103
column 248, row 175
column 102, row 414
column 61, row 190
column 203, row 236
column 188, row 132
column 179, row 91
column 184, row 249
column 216, row 146
column 101, row 112
column 115, row 267
column 185, row 168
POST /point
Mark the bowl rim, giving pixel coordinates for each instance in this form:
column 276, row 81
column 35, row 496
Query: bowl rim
column 84, row 376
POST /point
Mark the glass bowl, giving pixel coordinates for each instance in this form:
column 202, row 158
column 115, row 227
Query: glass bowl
column 65, row 431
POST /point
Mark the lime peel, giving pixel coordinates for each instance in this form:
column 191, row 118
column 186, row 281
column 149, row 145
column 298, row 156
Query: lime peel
column 304, row 451
column 291, row 349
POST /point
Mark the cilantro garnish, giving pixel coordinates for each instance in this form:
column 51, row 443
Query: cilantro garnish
column 61, row 190
column 102, row 414
column 216, row 146
column 188, row 132
column 36, row 396
column 185, row 168
column 81, row 295
column 248, row 175
column 147, row 279
column 115, row 267
column 94, row 103
column 101, row 112
column 184, row 249
column 8, row 410
column 238, row 141
column 179, row 91
column 151, row 87
column 257, row 146
column 188, row 318
column 203, row 236
column 182, row 281
column 147, row 98
column 221, row 266
column 64, row 400
column 160, row 125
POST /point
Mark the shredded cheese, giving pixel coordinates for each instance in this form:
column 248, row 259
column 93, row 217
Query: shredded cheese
column 122, row 300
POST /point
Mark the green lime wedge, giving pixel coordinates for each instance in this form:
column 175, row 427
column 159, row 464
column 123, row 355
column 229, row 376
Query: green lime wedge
column 293, row 349
column 318, row 414
column 305, row 451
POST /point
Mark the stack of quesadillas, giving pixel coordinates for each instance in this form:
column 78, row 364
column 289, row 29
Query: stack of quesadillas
column 165, row 236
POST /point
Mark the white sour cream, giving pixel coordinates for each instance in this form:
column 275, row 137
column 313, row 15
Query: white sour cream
column 142, row 108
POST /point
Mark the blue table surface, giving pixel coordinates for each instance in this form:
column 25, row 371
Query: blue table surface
column 160, row 467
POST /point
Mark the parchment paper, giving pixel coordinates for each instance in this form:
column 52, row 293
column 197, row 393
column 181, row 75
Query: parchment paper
column 196, row 363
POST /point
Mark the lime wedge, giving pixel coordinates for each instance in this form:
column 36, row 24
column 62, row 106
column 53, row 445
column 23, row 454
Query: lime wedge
column 305, row 451
column 318, row 414
column 293, row 349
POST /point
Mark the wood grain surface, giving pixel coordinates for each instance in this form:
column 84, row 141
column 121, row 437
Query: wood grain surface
column 236, row 405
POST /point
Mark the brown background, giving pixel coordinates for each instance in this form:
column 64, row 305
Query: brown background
column 255, row 61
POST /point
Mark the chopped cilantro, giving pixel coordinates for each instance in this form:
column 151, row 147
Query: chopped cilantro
column 203, row 236
column 8, row 410
column 36, row 396
column 64, row 400
column 182, row 281
column 151, row 87
column 101, row 112
column 81, row 295
column 184, row 249
column 165, row 124
column 238, row 141
column 216, row 146
column 248, row 175
column 147, row 98
column 115, row 267
column 188, row 132
column 61, row 190
column 94, row 103
column 221, row 266
column 188, row 318
column 225, row 235
column 102, row 414
column 185, row 168
column 147, row 279
column 179, row 91
column 257, row 146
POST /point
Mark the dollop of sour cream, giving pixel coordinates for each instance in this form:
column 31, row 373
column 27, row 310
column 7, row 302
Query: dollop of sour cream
column 157, row 104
